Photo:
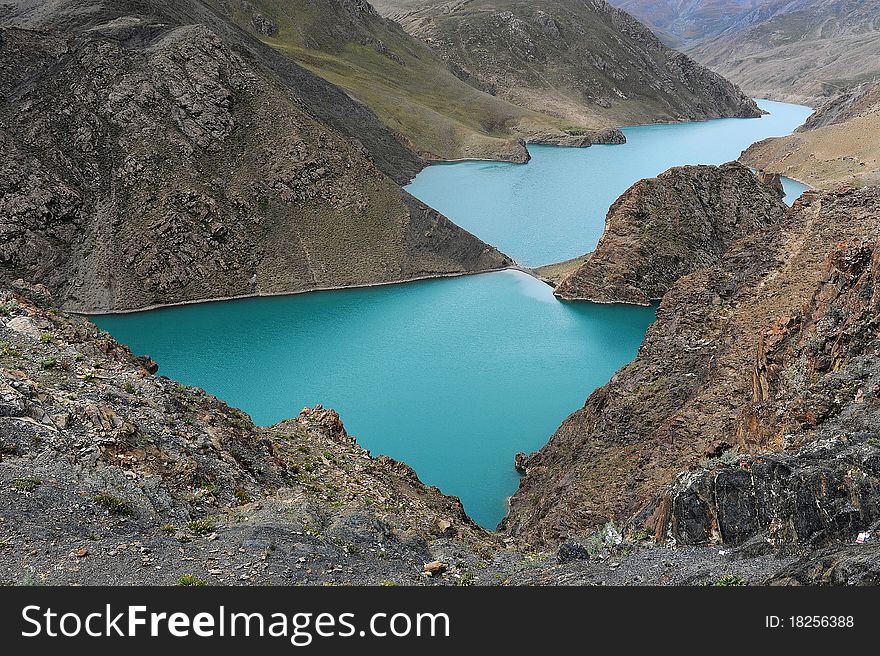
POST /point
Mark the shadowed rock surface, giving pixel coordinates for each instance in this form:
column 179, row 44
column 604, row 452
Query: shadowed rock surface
column 665, row 227
column 154, row 153
column 709, row 386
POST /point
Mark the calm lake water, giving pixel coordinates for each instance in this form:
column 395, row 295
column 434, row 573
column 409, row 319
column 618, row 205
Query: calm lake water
column 554, row 207
column 451, row 376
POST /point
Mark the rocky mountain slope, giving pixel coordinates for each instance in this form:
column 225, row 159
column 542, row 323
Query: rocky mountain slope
column 154, row 153
column 798, row 50
column 758, row 379
column 665, row 227
column 837, row 145
column 433, row 106
column 586, row 62
column 680, row 23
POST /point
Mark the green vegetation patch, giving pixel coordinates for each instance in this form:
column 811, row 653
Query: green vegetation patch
column 190, row 580
column 730, row 580
column 202, row 526
column 113, row 503
column 26, row 484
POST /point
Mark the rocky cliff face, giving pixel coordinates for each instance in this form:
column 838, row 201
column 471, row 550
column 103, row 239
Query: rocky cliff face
column 666, row 227
column 814, row 397
column 587, row 62
column 760, row 361
column 153, row 153
column 835, row 146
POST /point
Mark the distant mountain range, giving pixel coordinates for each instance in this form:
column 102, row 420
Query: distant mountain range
column 797, row 50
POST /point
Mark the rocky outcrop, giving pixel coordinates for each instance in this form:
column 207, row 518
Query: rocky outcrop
column 858, row 101
column 815, row 396
column 764, row 359
column 586, row 62
column 666, row 227
column 153, row 158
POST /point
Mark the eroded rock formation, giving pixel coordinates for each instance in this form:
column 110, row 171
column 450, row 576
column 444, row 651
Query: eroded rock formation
column 665, row 227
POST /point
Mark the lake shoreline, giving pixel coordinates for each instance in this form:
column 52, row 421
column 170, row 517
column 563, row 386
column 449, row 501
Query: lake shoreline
column 335, row 288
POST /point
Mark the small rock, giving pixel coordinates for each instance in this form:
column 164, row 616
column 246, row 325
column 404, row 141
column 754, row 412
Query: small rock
column 435, row 568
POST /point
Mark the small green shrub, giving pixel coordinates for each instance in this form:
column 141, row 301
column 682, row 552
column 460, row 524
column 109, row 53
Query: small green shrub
column 730, row 580
column 387, row 583
column 45, row 337
column 7, row 350
column 202, row 526
column 168, row 528
column 113, row 504
column 129, row 388
column 189, row 580
column 466, row 579
column 7, row 447
column 26, row 484
column 49, row 363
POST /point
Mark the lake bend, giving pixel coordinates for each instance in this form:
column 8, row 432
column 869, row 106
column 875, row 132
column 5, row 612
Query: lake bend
column 452, row 376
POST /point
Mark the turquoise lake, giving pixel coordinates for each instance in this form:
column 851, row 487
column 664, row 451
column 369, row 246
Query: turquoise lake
column 554, row 207
column 452, row 376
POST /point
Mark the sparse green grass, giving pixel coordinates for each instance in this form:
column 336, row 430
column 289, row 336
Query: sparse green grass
column 8, row 350
column 129, row 388
column 7, row 447
column 49, row 363
column 113, row 503
column 168, row 528
column 242, row 497
column 202, row 526
column 388, row 583
column 465, row 580
column 730, row 580
column 45, row 337
column 26, row 484
column 190, row 580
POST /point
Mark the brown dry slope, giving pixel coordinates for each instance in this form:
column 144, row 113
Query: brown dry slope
column 154, row 153
column 837, row 145
column 707, row 386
